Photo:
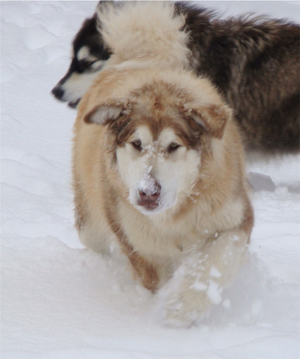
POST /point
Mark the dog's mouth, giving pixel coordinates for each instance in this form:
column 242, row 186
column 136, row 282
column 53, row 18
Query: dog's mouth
column 148, row 204
column 59, row 93
column 74, row 104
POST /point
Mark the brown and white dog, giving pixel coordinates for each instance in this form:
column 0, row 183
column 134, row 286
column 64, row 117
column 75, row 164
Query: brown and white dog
column 158, row 166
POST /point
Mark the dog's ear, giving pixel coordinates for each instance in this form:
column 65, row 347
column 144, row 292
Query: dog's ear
column 107, row 112
column 212, row 118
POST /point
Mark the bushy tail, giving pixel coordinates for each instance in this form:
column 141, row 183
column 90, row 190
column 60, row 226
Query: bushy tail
column 144, row 30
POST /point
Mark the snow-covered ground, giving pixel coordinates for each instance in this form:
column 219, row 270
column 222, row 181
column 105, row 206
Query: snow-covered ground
column 60, row 300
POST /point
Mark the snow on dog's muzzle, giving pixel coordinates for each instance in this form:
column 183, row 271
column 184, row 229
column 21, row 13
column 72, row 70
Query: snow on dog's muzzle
column 149, row 193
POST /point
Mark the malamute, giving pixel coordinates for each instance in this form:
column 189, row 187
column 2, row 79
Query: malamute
column 158, row 167
column 254, row 63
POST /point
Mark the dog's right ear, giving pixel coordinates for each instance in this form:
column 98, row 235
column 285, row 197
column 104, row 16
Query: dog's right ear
column 102, row 114
column 107, row 112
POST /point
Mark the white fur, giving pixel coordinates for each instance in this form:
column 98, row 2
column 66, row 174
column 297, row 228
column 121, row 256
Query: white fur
column 77, row 85
column 175, row 172
column 200, row 279
column 144, row 34
column 105, row 113
column 83, row 53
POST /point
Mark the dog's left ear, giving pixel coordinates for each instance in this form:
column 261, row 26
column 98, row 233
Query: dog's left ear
column 107, row 112
column 213, row 118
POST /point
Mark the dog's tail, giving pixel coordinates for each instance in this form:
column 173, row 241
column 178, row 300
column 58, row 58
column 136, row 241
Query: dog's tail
column 150, row 31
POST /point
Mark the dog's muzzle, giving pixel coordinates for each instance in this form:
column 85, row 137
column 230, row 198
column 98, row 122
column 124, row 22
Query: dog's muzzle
column 149, row 198
column 58, row 93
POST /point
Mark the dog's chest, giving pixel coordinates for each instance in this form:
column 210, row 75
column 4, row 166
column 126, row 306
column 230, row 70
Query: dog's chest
column 158, row 237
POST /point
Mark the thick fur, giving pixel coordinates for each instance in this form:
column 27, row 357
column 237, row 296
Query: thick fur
column 158, row 167
column 136, row 41
column 254, row 62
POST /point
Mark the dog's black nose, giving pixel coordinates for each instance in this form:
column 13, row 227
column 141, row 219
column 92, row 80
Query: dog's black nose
column 58, row 92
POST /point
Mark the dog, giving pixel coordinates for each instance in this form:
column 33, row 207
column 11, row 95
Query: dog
column 89, row 56
column 254, row 62
column 158, row 168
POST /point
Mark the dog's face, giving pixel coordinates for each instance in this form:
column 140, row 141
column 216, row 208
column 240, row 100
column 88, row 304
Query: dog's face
column 157, row 168
column 88, row 58
column 157, row 146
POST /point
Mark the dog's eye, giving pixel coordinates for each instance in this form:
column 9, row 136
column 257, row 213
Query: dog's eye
column 173, row 147
column 137, row 144
column 89, row 63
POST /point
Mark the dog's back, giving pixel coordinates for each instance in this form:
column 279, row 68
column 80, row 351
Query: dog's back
column 255, row 63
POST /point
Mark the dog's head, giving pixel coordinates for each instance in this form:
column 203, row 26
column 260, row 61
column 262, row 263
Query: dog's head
column 158, row 136
column 88, row 59
column 129, row 34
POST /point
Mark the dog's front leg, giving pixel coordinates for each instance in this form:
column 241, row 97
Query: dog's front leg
column 201, row 277
column 145, row 271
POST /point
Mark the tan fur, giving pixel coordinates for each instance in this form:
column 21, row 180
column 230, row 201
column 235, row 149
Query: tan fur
column 254, row 62
column 134, row 42
column 208, row 226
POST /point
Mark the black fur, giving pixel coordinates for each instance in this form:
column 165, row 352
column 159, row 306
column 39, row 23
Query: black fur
column 86, row 36
column 255, row 64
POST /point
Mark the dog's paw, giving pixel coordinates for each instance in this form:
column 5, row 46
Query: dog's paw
column 182, row 308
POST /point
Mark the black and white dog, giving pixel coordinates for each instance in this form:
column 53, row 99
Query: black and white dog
column 89, row 57
column 254, row 62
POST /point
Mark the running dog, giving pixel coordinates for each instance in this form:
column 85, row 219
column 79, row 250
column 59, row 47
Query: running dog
column 158, row 167
column 254, row 62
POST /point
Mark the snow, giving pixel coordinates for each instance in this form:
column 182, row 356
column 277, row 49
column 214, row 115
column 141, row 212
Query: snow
column 60, row 300
column 147, row 183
